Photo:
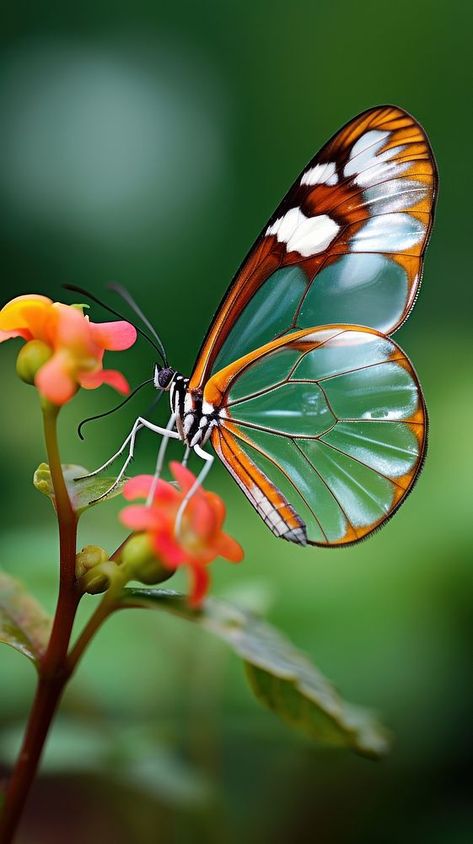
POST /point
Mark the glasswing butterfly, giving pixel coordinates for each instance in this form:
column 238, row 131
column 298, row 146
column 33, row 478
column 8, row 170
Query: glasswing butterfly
column 311, row 406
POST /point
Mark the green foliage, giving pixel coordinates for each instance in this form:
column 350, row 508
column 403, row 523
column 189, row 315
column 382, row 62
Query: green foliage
column 281, row 677
column 83, row 491
column 24, row 625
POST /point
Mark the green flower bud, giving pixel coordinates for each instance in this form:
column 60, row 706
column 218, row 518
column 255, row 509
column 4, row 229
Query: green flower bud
column 99, row 578
column 90, row 557
column 32, row 356
column 140, row 561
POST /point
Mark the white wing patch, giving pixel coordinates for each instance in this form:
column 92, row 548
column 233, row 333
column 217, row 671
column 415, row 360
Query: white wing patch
column 388, row 233
column 306, row 235
column 394, row 195
column 321, row 174
column 369, row 165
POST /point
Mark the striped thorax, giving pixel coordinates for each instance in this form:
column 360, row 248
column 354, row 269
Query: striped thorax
column 195, row 417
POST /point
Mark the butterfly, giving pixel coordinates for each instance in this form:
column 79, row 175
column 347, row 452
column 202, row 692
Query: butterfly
column 307, row 400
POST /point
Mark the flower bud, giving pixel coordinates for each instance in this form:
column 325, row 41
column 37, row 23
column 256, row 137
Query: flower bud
column 32, row 356
column 90, row 557
column 140, row 560
column 99, row 578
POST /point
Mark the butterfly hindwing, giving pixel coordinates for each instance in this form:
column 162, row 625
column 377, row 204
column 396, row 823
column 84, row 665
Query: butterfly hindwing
column 324, row 430
column 344, row 246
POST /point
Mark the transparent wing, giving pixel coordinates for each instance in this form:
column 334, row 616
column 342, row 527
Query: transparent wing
column 345, row 245
column 324, row 430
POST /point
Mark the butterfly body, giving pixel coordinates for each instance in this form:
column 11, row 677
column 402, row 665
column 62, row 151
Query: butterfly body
column 310, row 405
column 194, row 417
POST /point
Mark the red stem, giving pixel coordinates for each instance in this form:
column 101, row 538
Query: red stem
column 53, row 668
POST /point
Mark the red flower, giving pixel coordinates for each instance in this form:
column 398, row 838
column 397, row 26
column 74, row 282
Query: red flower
column 66, row 348
column 200, row 538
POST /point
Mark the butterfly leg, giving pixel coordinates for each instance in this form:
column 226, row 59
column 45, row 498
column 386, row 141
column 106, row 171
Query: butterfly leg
column 112, row 459
column 209, row 459
column 160, row 459
column 139, row 424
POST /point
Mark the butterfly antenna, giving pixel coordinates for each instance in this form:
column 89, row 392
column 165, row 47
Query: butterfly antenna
column 113, row 409
column 83, row 292
column 128, row 298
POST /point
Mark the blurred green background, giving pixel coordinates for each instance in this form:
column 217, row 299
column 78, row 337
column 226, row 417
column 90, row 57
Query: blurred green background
column 148, row 143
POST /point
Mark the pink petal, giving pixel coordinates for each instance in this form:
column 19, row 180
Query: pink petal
column 218, row 507
column 21, row 332
column 115, row 379
column 201, row 516
column 54, row 382
column 166, row 495
column 72, row 330
column 200, row 585
column 137, row 487
column 182, row 475
column 114, row 336
column 138, row 517
column 168, row 549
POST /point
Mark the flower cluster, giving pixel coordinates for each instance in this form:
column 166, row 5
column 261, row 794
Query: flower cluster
column 200, row 539
column 64, row 350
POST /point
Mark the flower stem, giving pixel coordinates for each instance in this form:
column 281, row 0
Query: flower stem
column 107, row 605
column 48, row 694
column 53, row 662
column 53, row 668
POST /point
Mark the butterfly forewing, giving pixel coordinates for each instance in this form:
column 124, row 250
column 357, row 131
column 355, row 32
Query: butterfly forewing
column 344, row 246
column 323, row 429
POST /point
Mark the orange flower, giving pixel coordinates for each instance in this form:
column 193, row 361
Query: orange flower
column 66, row 348
column 200, row 539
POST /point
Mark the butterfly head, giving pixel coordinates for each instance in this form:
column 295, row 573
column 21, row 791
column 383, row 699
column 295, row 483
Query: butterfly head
column 163, row 377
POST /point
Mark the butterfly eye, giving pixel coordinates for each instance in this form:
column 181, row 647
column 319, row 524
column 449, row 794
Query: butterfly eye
column 163, row 377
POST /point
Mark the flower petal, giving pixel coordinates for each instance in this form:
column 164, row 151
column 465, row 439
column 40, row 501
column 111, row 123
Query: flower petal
column 168, row 550
column 72, row 331
column 140, row 487
column 200, row 583
column 115, row 379
column 185, row 478
column 137, row 487
column 21, row 332
column 166, row 495
column 201, row 517
column 28, row 314
column 138, row 517
column 113, row 336
column 15, row 313
column 218, row 507
column 54, row 381
column 227, row 547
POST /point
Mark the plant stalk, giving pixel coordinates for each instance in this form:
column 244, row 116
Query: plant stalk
column 53, row 668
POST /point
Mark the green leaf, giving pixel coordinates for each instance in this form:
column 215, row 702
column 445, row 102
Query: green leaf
column 24, row 625
column 282, row 678
column 83, row 492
